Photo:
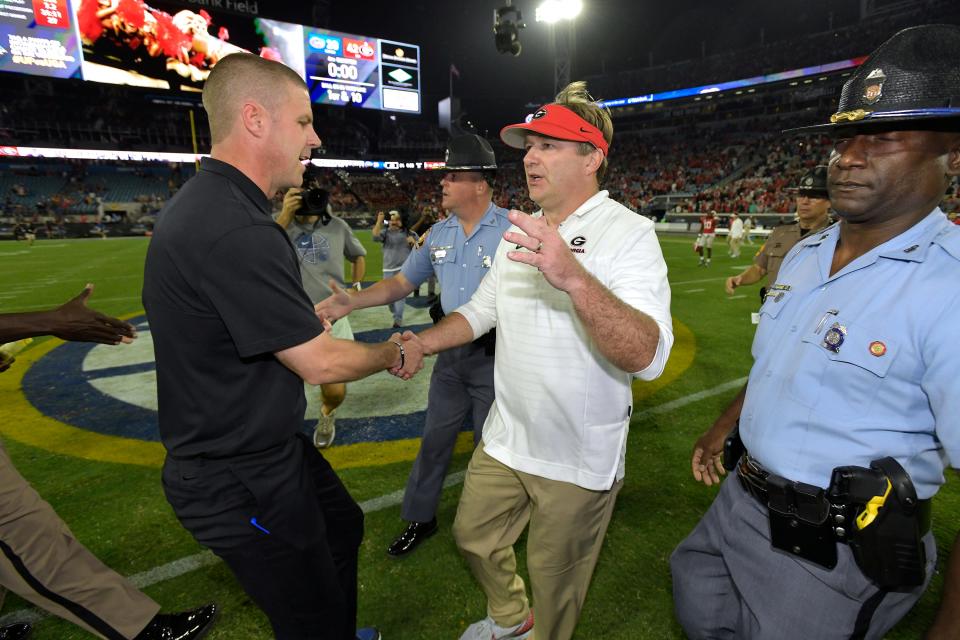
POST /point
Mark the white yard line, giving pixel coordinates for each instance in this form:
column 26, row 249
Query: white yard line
column 667, row 407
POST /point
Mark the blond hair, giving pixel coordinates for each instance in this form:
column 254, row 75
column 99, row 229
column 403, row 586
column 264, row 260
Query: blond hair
column 239, row 77
column 575, row 97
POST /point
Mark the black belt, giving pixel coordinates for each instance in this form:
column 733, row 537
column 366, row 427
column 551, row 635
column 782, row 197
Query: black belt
column 806, row 501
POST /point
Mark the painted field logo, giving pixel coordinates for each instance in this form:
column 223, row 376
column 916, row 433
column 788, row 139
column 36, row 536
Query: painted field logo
column 99, row 402
column 110, row 393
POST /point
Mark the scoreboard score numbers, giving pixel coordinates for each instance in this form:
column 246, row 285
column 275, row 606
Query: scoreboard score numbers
column 372, row 73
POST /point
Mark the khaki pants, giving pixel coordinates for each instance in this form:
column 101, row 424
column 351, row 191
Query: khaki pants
column 42, row 562
column 567, row 527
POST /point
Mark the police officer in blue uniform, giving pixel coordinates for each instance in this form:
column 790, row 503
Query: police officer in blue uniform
column 852, row 409
column 459, row 251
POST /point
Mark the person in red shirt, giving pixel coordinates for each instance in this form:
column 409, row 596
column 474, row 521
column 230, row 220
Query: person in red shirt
column 708, row 231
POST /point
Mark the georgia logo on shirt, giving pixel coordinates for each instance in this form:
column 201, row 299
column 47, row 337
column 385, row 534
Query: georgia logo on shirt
column 576, row 245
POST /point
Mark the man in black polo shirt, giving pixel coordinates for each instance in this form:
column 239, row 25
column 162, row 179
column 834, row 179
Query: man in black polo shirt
column 234, row 333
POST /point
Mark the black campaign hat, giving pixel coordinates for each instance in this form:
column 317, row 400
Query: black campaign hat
column 912, row 77
column 813, row 184
column 470, row 152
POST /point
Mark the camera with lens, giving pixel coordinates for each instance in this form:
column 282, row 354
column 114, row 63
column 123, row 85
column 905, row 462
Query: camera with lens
column 314, row 199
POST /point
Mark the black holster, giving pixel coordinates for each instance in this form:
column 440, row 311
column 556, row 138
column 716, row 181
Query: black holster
column 488, row 341
column 733, row 448
column 889, row 549
column 436, row 312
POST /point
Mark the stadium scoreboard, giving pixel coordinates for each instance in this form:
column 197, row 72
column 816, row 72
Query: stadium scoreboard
column 374, row 73
column 168, row 45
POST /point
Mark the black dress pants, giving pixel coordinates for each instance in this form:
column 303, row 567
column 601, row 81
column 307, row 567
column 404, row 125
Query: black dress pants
column 285, row 525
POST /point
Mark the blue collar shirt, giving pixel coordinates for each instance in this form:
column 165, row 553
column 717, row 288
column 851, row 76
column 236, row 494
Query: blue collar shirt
column 459, row 262
column 861, row 364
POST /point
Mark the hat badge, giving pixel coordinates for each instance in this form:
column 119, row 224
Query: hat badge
column 874, row 86
column 539, row 114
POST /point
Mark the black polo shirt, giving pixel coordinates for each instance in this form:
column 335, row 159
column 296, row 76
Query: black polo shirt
column 222, row 291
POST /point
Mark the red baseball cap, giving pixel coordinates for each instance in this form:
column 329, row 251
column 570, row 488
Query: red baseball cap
column 554, row 121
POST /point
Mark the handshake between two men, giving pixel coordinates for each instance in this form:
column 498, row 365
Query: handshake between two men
column 411, row 348
column 537, row 244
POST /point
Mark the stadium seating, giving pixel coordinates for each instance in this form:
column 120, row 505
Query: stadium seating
column 718, row 152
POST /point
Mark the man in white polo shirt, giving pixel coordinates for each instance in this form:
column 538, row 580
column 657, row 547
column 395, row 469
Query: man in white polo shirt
column 581, row 306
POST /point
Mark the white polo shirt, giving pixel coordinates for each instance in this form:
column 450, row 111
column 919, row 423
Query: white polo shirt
column 562, row 410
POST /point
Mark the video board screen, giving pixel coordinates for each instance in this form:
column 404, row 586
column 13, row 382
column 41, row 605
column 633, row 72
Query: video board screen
column 39, row 37
column 377, row 74
column 163, row 45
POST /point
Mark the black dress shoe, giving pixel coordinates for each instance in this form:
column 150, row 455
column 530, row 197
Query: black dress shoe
column 187, row 625
column 15, row 632
column 414, row 534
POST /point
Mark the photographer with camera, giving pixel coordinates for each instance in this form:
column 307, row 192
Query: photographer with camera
column 322, row 242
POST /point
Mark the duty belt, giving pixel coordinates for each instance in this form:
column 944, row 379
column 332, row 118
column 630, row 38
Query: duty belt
column 808, row 503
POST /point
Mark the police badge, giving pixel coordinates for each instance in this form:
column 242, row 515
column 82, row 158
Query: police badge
column 874, row 86
column 834, row 337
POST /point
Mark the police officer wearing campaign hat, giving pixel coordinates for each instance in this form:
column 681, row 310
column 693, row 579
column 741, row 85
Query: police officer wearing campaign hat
column 852, row 409
column 470, row 152
column 813, row 214
column 459, row 251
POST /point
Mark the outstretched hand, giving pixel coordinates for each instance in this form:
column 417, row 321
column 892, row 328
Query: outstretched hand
column 548, row 251
column 335, row 306
column 76, row 322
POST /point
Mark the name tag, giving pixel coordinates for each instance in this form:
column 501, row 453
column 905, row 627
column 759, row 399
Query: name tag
column 438, row 254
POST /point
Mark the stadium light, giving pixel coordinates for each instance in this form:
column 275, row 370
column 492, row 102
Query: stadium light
column 552, row 11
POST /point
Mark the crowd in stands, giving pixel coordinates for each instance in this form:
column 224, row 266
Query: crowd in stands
column 701, row 171
column 39, row 190
column 766, row 185
column 643, row 167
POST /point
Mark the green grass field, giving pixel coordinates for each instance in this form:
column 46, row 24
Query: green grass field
column 119, row 512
